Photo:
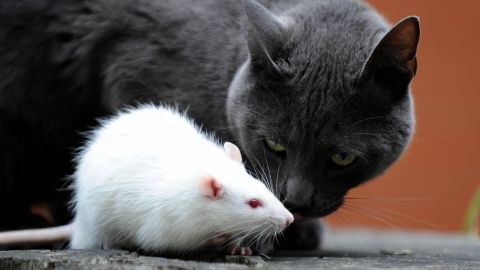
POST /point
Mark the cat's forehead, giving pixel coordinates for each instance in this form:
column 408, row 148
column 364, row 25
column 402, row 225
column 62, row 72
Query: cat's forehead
column 331, row 53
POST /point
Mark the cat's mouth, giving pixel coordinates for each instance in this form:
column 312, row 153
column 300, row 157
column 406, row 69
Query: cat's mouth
column 297, row 217
column 303, row 216
column 316, row 212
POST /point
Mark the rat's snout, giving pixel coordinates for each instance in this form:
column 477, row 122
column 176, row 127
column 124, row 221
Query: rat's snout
column 289, row 221
column 285, row 220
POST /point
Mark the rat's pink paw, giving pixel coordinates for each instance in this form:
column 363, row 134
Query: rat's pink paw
column 238, row 250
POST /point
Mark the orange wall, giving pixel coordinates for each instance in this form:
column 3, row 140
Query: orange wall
column 430, row 187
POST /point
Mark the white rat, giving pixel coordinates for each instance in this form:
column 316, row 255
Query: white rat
column 150, row 179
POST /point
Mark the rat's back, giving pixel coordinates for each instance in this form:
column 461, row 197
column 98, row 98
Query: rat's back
column 142, row 140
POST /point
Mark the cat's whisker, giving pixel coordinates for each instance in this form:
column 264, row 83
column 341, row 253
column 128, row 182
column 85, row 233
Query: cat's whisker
column 264, row 175
column 379, row 214
column 276, row 184
column 391, row 199
column 253, row 141
column 341, row 215
column 239, row 126
column 366, row 133
column 373, row 216
column 256, row 171
column 386, row 212
column 268, row 169
column 370, row 118
column 328, row 205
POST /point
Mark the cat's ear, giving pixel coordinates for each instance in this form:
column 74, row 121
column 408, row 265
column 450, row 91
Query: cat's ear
column 232, row 151
column 393, row 61
column 266, row 35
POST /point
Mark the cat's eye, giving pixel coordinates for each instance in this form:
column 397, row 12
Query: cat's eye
column 343, row 159
column 274, row 146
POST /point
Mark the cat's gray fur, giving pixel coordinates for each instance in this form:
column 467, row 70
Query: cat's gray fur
column 306, row 75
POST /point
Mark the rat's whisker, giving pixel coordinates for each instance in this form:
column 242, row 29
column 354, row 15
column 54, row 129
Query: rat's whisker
column 262, row 174
column 241, row 236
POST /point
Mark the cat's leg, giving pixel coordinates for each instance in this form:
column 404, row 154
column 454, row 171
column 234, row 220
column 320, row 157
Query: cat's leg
column 301, row 236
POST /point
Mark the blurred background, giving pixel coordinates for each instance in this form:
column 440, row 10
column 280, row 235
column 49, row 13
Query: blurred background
column 431, row 186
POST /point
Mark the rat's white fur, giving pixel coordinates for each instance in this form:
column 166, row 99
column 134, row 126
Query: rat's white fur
column 137, row 185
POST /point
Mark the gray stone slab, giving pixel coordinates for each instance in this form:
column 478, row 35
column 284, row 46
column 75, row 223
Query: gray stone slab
column 343, row 249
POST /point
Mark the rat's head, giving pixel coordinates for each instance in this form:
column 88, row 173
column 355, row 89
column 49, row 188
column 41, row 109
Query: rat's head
column 242, row 204
column 323, row 103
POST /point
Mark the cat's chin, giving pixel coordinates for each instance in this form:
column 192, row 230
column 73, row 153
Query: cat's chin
column 299, row 217
column 302, row 216
column 306, row 216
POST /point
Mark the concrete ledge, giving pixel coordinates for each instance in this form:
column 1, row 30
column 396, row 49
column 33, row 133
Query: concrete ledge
column 107, row 259
column 343, row 249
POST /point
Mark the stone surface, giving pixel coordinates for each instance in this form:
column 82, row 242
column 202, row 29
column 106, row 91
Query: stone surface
column 343, row 249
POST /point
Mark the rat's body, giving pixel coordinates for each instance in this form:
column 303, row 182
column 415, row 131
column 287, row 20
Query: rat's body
column 149, row 179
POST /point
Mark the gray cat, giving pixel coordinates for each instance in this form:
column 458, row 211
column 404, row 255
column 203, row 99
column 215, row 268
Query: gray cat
column 315, row 92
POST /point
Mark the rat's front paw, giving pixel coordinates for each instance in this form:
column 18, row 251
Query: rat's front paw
column 238, row 250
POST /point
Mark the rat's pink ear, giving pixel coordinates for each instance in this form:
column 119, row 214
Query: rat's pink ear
column 210, row 187
column 232, row 151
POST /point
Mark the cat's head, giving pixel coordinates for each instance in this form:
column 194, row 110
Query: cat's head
column 323, row 103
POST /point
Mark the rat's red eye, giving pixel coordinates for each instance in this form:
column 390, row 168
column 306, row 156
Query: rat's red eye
column 254, row 203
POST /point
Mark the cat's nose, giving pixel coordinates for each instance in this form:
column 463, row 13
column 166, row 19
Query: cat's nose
column 294, row 207
column 288, row 205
